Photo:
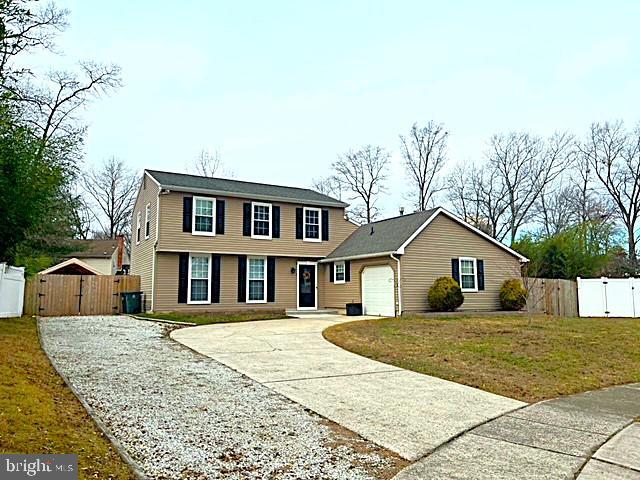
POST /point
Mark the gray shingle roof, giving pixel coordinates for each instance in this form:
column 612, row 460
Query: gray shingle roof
column 258, row 191
column 381, row 237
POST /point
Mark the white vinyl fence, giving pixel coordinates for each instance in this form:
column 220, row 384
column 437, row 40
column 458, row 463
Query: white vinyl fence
column 609, row 297
column 11, row 291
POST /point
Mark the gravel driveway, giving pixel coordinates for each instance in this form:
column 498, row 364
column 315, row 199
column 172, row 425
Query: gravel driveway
column 179, row 414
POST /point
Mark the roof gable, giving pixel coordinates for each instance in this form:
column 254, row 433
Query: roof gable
column 382, row 237
column 393, row 235
column 237, row 188
column 72, row 266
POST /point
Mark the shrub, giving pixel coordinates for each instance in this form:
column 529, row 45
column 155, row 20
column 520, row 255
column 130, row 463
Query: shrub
column 513, row 295
column 445, row 295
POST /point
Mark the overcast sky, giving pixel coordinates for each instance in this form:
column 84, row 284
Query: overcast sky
column 281, row 88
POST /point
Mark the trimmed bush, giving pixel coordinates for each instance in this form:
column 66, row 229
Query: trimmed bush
column 513, row 295
column 445, row 295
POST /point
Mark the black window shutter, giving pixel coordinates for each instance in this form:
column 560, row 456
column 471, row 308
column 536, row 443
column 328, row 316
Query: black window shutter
column 215, row 280
column 275, row 233
column 480, row 264
column 331, row 271
column 246, row 219
column 187, row 211
column 219, row 217
column 271, row 279
column 242, row 278
column 455, row 270
column 183, row 277
column 347, row 270
column 325, row 225
column 299, row 221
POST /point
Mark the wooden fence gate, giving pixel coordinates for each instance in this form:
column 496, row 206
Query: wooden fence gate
column 552, row 296
column 53, row 295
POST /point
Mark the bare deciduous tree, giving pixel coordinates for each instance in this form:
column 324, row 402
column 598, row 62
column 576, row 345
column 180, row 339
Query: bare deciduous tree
column 613, row 155
column 503, row 193
column 363, row 172
column 328, row 186
column 207, row 163
column 24, row 30
column 112, row 188
column 555, row 210
column 424, row 154
column 52, row 108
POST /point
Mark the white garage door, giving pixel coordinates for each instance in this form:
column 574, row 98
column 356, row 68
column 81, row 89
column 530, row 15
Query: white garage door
column 377, row 291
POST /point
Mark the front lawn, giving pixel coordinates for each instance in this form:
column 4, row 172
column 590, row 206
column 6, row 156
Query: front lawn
column 216, row 317
column 39, row 414
column 503, row 354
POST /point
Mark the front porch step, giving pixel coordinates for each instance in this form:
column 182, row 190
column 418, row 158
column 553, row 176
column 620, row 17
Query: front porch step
column 302, row 313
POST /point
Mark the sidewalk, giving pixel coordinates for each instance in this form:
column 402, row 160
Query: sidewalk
column 590, row 435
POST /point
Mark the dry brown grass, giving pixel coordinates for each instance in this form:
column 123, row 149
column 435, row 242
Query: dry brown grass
column 503, row 354
column 39, row 414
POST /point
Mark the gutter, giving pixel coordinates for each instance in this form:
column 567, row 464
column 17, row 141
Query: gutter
column 357, row 257
column 399, row 285
column 271, row 198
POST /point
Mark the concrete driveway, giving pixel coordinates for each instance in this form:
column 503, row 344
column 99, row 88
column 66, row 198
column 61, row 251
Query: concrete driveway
column 406, row 412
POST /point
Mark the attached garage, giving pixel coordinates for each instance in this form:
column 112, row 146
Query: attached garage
column 389, row 265
column 378, row 296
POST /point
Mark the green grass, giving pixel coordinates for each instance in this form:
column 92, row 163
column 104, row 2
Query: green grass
column 39, row 414
column 217, row 317
column 503, row 354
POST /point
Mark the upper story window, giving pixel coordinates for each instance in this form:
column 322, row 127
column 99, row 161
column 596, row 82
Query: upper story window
column 256, row 280
column 339, row 272
column 199, row 279
column 203, row 216
column 138, row 227
column 147, row 221
column 468, row 274
column 261, row 220
column 312, row 224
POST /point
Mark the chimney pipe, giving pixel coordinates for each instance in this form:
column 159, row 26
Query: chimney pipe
column 120, row 239
column 401, row 210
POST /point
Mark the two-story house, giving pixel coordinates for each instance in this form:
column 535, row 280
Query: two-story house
column 201, row 243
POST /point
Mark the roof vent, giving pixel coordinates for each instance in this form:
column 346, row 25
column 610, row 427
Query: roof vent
column 401, row 210
column 371, row 230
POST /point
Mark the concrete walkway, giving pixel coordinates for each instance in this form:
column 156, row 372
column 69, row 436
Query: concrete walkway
column 589, row 436
column 406, row 412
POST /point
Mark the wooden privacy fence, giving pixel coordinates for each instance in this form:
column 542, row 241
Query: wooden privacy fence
column 552, row 296
column 51, row 295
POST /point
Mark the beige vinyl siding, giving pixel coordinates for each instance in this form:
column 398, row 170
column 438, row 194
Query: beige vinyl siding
column 142, row 254
column 103, row 265
column 172, row 238
column 337, row 295
column 429, row 257
column 166, row 298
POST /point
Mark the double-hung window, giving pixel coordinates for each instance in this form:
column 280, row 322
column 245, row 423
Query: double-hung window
column 312, row 224
column 138, row 227
column 203, row 216
column 339, row 272
column 199, row 278
column 468, row 274
column 147, row 221
column 260, row 220
column 256, row 280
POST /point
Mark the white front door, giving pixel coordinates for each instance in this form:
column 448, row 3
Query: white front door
column 378, row 291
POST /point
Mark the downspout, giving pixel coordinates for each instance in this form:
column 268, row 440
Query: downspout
column 154, row 253
column 399, row 285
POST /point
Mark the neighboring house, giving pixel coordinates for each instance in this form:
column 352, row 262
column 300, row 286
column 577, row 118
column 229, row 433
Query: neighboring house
column 203, row 243
column 94, row 257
